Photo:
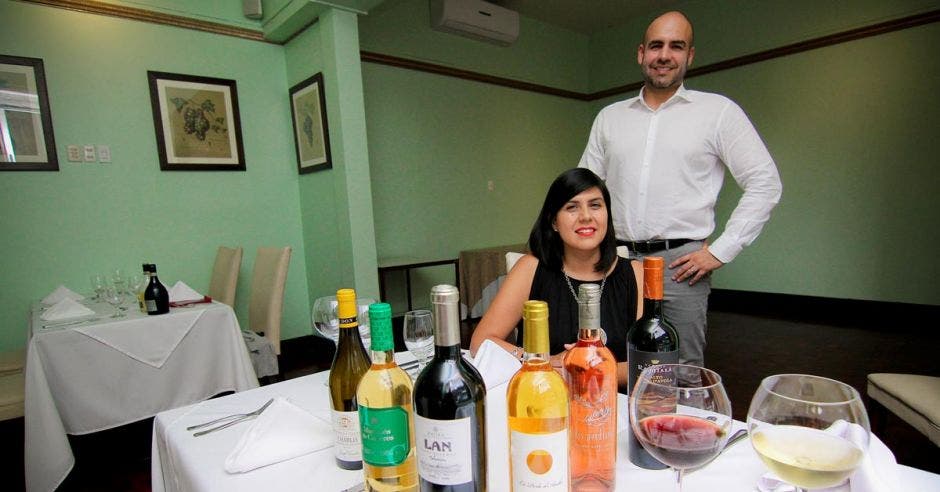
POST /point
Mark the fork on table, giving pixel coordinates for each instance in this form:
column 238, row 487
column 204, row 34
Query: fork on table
column 227, row 421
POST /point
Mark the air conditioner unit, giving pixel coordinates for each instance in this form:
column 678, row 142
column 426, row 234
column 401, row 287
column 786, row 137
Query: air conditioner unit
column 475, row 19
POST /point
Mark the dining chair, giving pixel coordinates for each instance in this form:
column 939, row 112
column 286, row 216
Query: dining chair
column 913, row 398
column 267, row 293
column 224, row 283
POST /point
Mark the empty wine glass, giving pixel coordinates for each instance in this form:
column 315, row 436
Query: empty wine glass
column 326, row 321
column 810, row 431
column 418, row 332
column 681, row 415
column 135, row 284
column 98, row 284
column 114, row 297
column 119, row 280
column 324, row 317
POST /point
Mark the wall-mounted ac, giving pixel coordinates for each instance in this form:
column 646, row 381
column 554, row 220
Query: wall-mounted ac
column 475, row 19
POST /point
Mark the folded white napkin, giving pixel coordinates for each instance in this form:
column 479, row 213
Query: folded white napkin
column 282, row 432
column 876, row 473
column 495, row 364
column 180, row 292
column 65, row 309
column 61, row 292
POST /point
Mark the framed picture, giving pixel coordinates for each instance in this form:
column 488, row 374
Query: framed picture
column 26, row 139
column 197, row 123
column 311, row 133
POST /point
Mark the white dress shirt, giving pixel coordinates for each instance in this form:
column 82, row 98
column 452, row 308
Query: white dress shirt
column 664, row 169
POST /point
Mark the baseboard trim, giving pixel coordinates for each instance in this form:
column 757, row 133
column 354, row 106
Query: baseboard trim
column 823, row 310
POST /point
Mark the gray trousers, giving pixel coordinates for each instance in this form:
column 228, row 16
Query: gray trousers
column 685, row 306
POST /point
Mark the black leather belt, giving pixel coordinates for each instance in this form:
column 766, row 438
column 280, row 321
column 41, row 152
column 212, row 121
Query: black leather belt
column 653, row 245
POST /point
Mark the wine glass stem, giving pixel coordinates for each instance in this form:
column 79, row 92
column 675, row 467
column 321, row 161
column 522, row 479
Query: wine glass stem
column 678, row 480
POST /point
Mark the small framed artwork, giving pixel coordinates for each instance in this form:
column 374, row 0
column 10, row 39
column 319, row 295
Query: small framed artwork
column 197, row 123
column 311, row 133
column 26, row 139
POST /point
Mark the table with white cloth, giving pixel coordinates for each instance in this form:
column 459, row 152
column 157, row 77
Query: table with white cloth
column 181, row 462
column 104, row 372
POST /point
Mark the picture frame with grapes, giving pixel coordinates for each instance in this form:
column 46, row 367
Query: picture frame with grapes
column 197, row 123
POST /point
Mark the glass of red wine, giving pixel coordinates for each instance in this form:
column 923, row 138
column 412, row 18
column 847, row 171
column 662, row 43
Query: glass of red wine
column 681, row 415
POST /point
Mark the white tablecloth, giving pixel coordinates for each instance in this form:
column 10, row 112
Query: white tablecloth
column 112, row 371
column 181, row 462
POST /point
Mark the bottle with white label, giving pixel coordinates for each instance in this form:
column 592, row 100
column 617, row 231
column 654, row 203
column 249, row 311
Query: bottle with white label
column 450, row 422
column 537, row 404
column 349, row 364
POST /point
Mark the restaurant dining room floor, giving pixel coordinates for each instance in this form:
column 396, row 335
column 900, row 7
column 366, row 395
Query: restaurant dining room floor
column 744, row 346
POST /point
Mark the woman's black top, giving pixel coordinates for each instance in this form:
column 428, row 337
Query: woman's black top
column 618, row 307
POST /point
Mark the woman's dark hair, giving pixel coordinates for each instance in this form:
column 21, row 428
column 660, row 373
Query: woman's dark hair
column 545, row 242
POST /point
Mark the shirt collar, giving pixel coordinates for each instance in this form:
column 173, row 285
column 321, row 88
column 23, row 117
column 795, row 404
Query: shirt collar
column 682, row 94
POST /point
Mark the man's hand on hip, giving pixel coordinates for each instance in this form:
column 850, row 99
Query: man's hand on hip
column 694, row 265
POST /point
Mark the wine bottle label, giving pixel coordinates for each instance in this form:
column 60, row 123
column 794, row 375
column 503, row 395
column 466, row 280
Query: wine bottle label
column 593, row 419
column 385, row 437
column 151, row 305
column 639, row 360
column 444, row 448
column 539, row 462
column 347, row 443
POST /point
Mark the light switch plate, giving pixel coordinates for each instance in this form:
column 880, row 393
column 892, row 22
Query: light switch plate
column 89, row 153
column 75, row 154
column 104, row 153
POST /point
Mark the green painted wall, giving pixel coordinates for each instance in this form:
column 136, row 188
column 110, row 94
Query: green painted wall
column 61, row 227
column 436, row 142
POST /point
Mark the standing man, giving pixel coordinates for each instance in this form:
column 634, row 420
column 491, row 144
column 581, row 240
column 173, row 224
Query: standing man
column 661, row 154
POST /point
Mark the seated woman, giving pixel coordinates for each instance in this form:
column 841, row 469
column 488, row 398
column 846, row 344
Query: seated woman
column 571, row 243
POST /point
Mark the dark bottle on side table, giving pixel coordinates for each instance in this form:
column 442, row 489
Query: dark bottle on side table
column 156, row 297
column 651, row 341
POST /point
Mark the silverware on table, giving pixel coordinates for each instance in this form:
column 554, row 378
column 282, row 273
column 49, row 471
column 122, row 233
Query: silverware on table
column 228, row 421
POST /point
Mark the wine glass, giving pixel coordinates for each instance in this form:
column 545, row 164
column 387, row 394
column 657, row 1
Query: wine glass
column 115, row 297
column 681, row 415
column 119, row 280
column 810, row 431
column 418, row 332
column 98, row 284
column 325, row 320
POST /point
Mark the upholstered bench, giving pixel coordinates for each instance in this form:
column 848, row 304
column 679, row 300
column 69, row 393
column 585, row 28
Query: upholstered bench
column 12, row 361
column 913, row 398
column 12, row 395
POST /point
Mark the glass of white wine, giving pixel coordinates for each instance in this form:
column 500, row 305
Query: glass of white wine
column 810, row 431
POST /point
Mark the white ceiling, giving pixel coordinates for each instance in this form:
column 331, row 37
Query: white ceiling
column 586, row 16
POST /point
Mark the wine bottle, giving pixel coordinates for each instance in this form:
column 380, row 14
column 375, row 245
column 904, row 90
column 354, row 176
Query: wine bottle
column 652, row 340
column 537, row 406
column 156, row 297
column 592, row 384
column 349, row 364
column 386, row 418
column 449, row 407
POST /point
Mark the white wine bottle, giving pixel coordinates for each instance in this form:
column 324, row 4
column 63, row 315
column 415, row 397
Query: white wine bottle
column 449, row 408
column 537, row 404
column 386, row 418
column 349, row 364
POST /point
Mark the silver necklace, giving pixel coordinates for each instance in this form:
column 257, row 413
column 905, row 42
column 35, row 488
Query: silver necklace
column 571, row 287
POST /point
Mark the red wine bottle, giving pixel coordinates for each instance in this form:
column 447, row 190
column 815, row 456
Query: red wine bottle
column 450, row 422
column 156, row 297
column 652, row 340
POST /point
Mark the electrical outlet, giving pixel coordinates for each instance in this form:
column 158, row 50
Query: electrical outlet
column 104, row 153
column 89, row 153
column 75, row 154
